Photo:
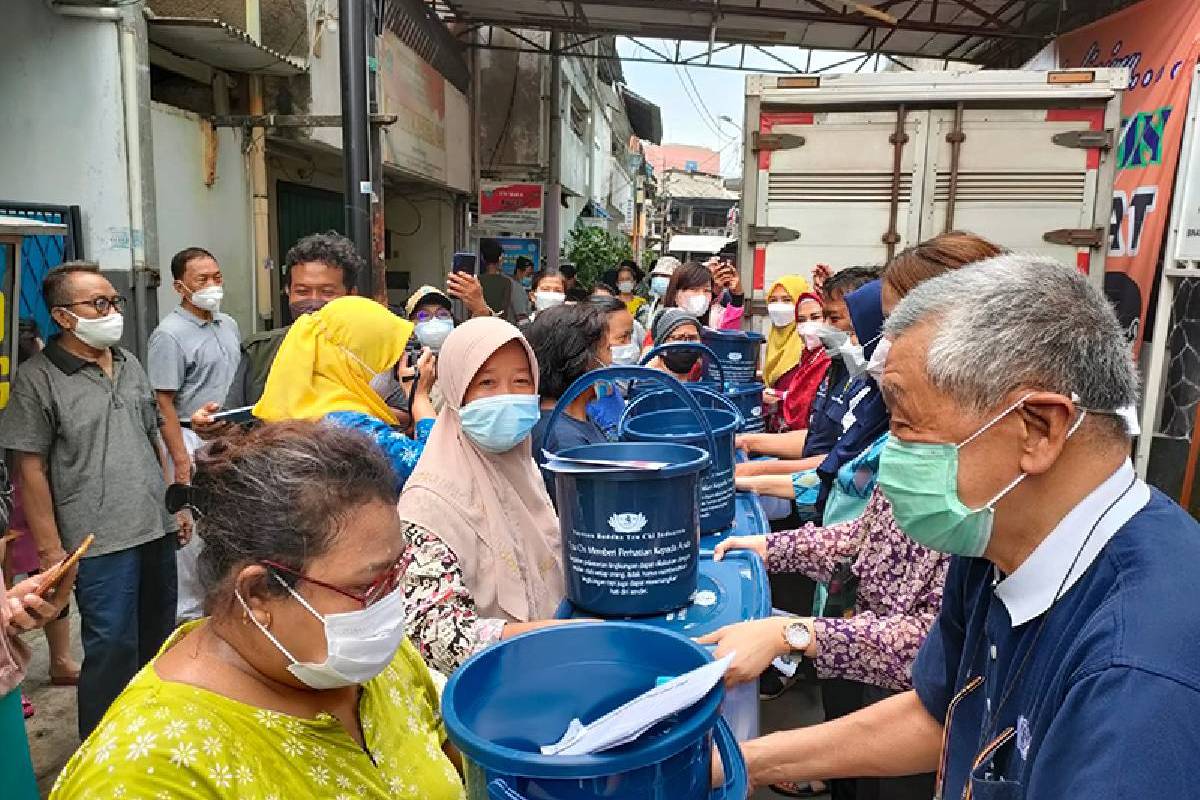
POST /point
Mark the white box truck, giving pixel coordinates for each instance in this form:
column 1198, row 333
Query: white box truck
column 847, row 170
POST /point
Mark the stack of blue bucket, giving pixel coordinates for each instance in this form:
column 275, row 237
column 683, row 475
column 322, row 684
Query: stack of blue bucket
column 734, row 589
column 731, row 366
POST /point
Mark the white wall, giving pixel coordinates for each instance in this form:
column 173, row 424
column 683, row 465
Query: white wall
column 431, row 140
column 422, row 238
column 190, row 213
column 62, row 132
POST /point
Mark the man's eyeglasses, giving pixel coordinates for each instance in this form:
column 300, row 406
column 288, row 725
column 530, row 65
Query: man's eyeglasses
column 427, row 316
column 381, row 587
column 683, row 340
column 102, row 304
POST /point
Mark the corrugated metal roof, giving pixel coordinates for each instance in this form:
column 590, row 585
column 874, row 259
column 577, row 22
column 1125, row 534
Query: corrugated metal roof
column 644, row 117
column 219, row 44
column 674, row 183
column 994, row 32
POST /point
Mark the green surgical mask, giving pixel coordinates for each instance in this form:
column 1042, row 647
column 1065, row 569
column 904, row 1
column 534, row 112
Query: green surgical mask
column 920, row 480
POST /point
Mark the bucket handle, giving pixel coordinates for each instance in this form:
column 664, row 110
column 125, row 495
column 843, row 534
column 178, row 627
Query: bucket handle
column 703, row 348
column 585, row 381
column 736, row 785
column 737, row 781
column 729, row 405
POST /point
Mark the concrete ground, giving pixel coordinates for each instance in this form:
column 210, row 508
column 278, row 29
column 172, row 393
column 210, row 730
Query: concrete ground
column 53, row 737
column 52, row 730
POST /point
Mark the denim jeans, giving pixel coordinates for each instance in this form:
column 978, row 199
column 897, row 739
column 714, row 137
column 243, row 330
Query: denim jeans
column 127, row 609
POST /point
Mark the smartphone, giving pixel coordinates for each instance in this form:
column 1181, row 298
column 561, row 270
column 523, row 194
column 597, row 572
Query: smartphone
column 234, row 415
column 228, row 415
column 464, row 262
column 52, row 578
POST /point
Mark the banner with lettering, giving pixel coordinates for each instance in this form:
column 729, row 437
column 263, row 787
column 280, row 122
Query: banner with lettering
column 1157, row 41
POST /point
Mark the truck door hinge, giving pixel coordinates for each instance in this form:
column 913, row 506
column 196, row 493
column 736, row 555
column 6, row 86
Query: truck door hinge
column 1077, row 237
column 1084, row 140
column 764, row 234
column 760, row 142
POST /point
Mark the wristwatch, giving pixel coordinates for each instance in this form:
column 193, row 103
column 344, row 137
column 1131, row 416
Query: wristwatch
column 798, row 636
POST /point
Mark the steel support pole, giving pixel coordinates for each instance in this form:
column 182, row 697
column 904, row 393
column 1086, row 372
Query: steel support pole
column 552, row 207
column 356, row 150
column 378, row 266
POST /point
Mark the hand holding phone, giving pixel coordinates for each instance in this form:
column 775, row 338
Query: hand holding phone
column 52, row 577
column 464, row 263
column 465, row 287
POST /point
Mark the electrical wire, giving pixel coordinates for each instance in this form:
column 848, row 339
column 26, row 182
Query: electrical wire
column 512, row 99
column 695, row 105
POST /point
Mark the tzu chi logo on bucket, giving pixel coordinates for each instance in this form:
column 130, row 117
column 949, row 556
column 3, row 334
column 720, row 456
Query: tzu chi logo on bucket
column 627, row 523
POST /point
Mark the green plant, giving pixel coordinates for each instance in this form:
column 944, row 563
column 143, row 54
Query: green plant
column 594, row 250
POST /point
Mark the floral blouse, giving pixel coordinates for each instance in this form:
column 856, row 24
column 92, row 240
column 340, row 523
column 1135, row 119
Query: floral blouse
column 442, row 621
column 402, row 452
column 163, row 739
column 899, row 593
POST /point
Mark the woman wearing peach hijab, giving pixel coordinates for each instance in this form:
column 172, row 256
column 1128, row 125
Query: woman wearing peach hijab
column 483, row 538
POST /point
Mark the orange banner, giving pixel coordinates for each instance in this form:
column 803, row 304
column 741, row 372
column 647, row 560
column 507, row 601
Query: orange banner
column 1157, row 41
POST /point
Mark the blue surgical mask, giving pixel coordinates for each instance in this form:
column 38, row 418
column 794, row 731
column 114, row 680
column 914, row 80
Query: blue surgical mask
column 498, row 424
column 527, row 281
column 659, row 284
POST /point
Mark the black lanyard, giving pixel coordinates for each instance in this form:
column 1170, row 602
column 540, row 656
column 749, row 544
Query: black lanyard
column 992, row 723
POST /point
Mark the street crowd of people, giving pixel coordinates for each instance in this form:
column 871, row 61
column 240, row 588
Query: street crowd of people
column 299, row 534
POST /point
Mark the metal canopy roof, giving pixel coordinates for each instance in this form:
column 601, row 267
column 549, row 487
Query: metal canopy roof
column 993, row 32
column 218, row 44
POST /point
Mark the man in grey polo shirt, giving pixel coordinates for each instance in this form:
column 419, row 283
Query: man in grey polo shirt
column 191, row 360
column 83, row 429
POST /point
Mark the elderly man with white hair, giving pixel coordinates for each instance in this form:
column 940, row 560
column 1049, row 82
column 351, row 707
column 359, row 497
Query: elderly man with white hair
column 1065, row 662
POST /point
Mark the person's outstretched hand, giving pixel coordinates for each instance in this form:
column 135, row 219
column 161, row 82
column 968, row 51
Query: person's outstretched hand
column 754, row 644
column 464, row 286
column 757, row 544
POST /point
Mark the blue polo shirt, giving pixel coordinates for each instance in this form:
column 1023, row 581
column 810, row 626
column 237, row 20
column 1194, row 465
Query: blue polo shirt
column 1107, row 702
column 828, row 408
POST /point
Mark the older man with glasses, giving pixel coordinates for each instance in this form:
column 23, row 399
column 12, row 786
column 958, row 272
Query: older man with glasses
column 82, row 425
column 1065, row 662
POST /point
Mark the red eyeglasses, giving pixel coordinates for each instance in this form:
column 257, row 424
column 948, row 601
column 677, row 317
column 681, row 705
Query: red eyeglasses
column 381, row 587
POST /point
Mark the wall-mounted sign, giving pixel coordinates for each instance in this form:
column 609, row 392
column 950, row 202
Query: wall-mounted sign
column 513, row 207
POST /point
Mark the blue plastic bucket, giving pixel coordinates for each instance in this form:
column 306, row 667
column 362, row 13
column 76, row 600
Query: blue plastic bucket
column 507, row 701
column 734, row 589
column 735, row 351
column 639, row 388
column 748, row 400
column 631, row 537
column 682, row 427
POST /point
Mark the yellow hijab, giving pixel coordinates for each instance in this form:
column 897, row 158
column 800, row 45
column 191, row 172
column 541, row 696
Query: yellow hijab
column 783, row 345
column 327, row 361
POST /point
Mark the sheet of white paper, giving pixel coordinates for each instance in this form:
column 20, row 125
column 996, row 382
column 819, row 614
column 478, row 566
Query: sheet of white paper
column 631, row 720
column 604, row 462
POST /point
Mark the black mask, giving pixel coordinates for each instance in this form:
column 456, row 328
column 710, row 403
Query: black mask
column 302, row 307
column 682, row 360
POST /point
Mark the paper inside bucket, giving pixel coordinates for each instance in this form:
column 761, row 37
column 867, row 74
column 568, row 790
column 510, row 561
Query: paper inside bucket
column 631, row 720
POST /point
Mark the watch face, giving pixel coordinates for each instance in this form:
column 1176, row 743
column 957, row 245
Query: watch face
column 797, row 635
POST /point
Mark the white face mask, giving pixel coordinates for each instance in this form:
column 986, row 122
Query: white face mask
column 626, row 287
column 878, row 360
column 209, row 298
column 544, row 300
column 358, row 644
column 625, row 354
column 781, row 314
column 696, row 304
column 99, row 333
column 432, row 333
column 810, row 332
